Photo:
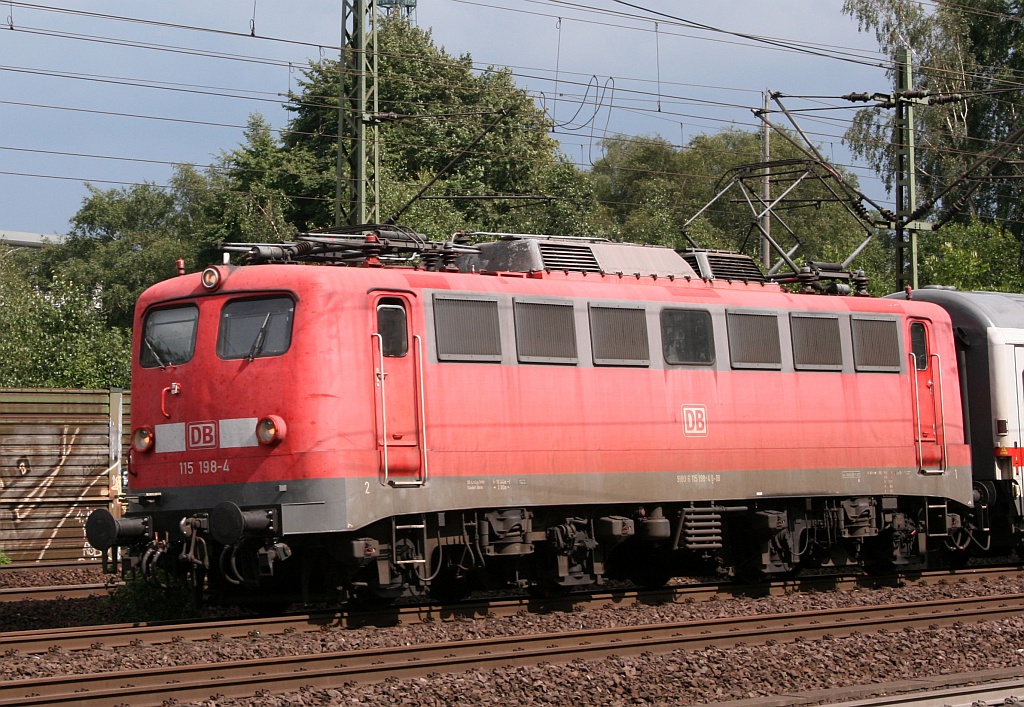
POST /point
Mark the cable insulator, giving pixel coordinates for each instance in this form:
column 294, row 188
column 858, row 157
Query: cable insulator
column 921, row 210
column 808, row 280
column 860, row 283
column 945, row 98
column 857, row 97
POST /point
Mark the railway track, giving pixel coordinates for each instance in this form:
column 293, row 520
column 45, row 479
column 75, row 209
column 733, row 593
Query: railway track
column 123, row 635
column 697, row 591
column 64, row 591
column 49, row 565
column 13, row 587
column 243, row 678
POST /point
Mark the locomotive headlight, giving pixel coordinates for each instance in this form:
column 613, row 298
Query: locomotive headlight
column 211, row 278
column 271, row 429
column 142, row 439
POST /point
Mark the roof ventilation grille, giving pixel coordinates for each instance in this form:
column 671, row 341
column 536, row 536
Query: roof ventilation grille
column 723, row 265
column 568, row 256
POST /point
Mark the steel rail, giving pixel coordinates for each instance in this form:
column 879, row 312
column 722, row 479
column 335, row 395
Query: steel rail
column 47, row 565
column 61, row 591
column 282, row 674
column 155, row 633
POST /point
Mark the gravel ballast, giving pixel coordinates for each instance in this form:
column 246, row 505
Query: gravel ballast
column 681, row 677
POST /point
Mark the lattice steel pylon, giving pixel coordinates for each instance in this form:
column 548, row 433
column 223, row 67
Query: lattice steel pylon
column 906, row 174
column 357, row 199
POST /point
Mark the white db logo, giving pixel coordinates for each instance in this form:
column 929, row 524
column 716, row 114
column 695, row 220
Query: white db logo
column 201, row 435
column 695, row 421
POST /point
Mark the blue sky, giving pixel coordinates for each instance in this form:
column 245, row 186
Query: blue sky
column 72, row 110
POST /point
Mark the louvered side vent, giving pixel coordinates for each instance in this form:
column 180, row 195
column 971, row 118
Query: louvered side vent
column 723, row 265
column 568, row 256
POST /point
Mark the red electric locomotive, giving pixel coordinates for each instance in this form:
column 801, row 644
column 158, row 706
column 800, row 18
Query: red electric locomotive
column 535, row 411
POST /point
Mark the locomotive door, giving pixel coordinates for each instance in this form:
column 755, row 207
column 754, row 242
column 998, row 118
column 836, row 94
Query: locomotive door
column 398, row 393
column 926, row 377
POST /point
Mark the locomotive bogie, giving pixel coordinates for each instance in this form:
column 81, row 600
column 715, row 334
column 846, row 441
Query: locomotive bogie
column 387, row 431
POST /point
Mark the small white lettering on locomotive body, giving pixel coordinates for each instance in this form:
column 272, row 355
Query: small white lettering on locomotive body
column 476, row 484
column 698, row 478
column 203, row 466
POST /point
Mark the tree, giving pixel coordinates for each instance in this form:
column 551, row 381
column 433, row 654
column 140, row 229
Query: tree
column 442, row 106
column 972, row 47
column 650, row 189
column 57, row 338
column 249, row 190
column 124, row 240
column 971, row 256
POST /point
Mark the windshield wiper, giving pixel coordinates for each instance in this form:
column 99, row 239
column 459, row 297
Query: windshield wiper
column 152, row 350
column 257, row 345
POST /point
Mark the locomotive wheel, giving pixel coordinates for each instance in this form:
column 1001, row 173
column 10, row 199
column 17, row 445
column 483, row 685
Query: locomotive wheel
column 650, row 567
column 878, row 554
column 748, row 574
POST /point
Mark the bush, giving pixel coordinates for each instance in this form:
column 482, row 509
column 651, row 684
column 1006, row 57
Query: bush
column 142, row 600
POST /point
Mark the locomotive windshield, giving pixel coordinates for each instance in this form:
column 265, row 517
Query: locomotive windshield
column 252, row 328
column 169, row 336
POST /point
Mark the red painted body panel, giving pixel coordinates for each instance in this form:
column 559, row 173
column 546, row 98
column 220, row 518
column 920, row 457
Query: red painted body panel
column 486, row 419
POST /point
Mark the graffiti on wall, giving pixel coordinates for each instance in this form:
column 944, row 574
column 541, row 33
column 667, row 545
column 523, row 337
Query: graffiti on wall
column 51, row 478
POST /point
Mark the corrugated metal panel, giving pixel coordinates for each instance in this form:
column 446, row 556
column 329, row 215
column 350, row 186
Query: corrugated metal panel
column 60, row 454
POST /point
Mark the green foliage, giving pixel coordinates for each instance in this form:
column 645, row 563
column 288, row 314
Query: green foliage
column 973, row 47
column 124, row 240
column 248, row 194
column 443, row 106
column 649, row 189
column 57, row 337
column 4, row 559
column 972, row 256
column 139, row 600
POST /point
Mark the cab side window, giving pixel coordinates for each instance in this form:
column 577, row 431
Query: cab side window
column 919, row 345
column 393, row 328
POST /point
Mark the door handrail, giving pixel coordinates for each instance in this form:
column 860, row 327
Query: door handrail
column 917, row 411
column 942, row 413
column 379, row 376
column 421, row 387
